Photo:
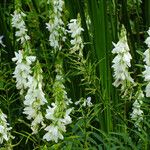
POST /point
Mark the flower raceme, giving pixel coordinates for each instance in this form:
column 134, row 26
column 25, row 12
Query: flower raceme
column 34, row 99
column 121, row 63
column 84, row 102
column 4, row 129
column 147, row 41
column 137, row 113
column 23, row 71
column 25, row 81
column 28, row 79
column 58, row 125
column 55, row 25
column 146, row 72
column 59, row 112
column 75, row 30
column 19, row 24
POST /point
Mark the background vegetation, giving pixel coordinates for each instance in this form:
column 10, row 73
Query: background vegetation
column 107, row 123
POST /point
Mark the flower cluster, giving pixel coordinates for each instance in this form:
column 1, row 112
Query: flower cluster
column 29, row 80
column 146, row 73
column 85, row 102
column 58, row 114
column 121, row 62
column 23, row 71
column 19, row 24
column 4, row 129
column 59, row 121
column 75, row 30
column 34, row 99
column 137, row 114
column 55, row 25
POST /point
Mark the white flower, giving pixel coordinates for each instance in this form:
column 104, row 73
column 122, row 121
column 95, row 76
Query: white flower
column 18, row 57
column 30, row 59
column 30, row 111
column 84, row 102
column 56, row 129
column 4, row 129
column 50, row 112
column 53, row 133
column 147, row 90
column 29, row 81
column 58, row 123
column 121, row 63
column 1, row 42
column 35, row 97
column 147, row 41
column 19, row 24
column 87, row 102
column 137, row 113
column 146, row 72
column 38, row 119
column 58, row 113
column 68, row 101
column 147, row 57
column 78, row 102
column 56, row 25
column 67, row 119
column 22, row 72
column 120, row 47
column 75, row 30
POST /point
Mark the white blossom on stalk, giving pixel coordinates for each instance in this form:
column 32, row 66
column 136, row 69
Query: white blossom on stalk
column 58, row 126
column 29, row 80
column 4, row 129
column 19, row 24
column 1, row 42
column 87, row 102
column 84, row 102
column 23, row 71
column 55, row 25
column 121, row 63
column 34, row 99
column 137, row 113
column 146, row 73
column 58, row 113
column 75, row 30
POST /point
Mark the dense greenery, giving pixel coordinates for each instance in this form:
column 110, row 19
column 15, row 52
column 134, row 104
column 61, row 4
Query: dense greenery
column 84, row 74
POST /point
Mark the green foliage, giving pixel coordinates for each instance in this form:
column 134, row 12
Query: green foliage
column 107, row 123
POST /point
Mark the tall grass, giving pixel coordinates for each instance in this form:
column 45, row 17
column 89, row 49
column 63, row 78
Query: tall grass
column 102, row 51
